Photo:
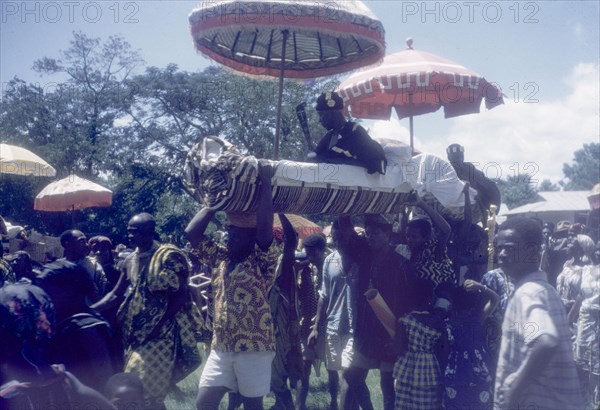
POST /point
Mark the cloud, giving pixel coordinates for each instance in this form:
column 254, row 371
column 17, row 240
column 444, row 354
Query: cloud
column 534, row 138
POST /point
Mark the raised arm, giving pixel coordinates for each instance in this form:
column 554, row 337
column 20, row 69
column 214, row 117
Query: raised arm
column 438, row 221
column 467, row 216
column 194, row 231
column 492, row 297
column 286, row 280
column 264, row 213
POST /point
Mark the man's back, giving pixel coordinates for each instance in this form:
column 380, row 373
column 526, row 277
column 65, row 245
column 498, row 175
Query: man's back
column 84, row 342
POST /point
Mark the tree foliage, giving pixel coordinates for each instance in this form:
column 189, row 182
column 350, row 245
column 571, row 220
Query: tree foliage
column 517, row 190
column 546, row 186
column 93, row 96
column 584, row 172
column 131, row 132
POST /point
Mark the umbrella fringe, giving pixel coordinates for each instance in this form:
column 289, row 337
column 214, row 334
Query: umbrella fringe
column 274, row 79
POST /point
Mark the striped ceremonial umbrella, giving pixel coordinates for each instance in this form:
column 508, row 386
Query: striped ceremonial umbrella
column 303, row 226
column 414, row 83
column 295, row 39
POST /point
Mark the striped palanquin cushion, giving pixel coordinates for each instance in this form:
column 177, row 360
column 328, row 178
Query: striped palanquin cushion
column 218, row 176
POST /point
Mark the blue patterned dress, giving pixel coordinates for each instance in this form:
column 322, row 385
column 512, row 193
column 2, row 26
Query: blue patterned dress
column 467, row 379
column 499, row 282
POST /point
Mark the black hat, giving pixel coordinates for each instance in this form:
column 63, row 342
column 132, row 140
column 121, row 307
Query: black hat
column 328, row 101
column 454, row 148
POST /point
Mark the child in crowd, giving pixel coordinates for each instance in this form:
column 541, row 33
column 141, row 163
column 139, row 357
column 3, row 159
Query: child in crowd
column 419, row 337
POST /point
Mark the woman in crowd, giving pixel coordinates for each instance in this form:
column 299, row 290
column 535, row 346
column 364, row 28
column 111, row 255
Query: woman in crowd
column 587, row 342
column 27, row 380
column 427, row 247
column 467, row 378
column 499, row 282
column 568, row 282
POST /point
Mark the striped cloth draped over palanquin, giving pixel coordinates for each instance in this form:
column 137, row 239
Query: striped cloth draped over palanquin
column 218, row 176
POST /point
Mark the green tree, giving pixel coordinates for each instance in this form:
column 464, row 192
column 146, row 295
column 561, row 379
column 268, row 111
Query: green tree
column 93, row 96
column 517, row 190
column 69, row 121
column 546, row 185
column 173, row 110
column 132, row 133
column 584, row 172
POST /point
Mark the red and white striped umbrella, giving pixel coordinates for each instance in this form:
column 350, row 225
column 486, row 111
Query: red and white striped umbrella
column 413, row 83
column 70, row 194
column 304, row 227
column 295, row 39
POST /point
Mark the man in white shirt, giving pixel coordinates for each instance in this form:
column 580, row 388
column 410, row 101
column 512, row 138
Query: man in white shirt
column 536, row 368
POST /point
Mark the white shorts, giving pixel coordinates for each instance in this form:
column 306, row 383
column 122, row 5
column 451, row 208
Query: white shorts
column 339, row 351
column 248, row 373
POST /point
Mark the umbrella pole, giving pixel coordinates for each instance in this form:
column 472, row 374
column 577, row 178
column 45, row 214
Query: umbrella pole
column 280, row 96
column 412, row 144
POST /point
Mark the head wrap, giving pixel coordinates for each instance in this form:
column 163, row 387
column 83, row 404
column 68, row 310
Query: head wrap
column 100, row 239
column 587, row 244
column 26, row 313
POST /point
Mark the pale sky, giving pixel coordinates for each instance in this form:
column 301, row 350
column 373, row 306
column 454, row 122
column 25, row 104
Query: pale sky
column 543, row 54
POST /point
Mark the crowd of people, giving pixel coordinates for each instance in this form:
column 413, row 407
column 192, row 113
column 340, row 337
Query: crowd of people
column 410, row 297
column 120, row 329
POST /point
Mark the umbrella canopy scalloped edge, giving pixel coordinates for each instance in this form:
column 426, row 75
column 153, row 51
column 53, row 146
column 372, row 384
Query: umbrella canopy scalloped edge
column 72, row 193
column 358, row 24
column 16, row 160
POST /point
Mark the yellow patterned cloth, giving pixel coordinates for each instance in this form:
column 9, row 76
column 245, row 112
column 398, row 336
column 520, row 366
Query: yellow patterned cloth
column 154, row 275
column 154, row 362
column 242, row 316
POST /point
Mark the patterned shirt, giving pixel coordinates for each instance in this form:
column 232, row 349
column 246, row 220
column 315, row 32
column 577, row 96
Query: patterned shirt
column 428, row 265
column 500, row 283
column 152, row 280
column 568, row 283
column 308, row 284
column 536, row 309
column 242, row 316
